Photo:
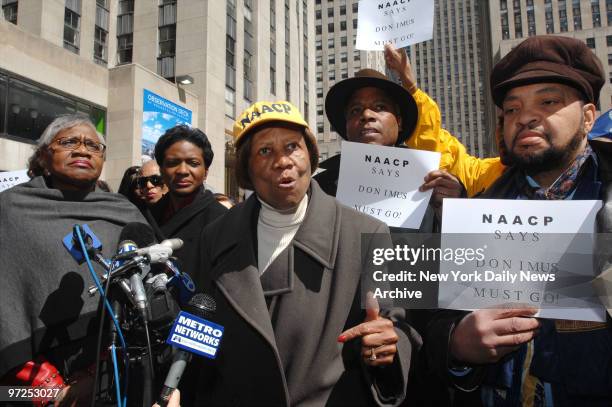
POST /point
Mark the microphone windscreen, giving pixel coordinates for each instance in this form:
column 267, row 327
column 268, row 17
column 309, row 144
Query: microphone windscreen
column 139, row 233
column 202, row 305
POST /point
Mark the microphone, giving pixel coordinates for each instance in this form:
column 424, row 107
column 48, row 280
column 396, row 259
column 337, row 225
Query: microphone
column 191, row 333
column 132, row 236
column 156, row 253
column 93, row 246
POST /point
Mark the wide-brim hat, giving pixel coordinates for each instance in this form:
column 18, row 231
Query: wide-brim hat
column 338, row 96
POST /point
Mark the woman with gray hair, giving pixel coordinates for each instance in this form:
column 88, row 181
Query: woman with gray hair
column 47, row 319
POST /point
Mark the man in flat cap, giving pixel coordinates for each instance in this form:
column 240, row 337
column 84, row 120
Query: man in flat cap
column 547, row 88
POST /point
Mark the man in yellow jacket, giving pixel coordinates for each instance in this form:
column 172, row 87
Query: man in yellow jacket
column 475, row 173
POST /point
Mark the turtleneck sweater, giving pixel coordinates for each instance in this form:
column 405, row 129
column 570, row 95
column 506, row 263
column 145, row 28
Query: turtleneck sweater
column 275, row 230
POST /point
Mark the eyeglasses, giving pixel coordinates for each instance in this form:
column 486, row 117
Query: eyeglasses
column 73, row 143
column 156, row 180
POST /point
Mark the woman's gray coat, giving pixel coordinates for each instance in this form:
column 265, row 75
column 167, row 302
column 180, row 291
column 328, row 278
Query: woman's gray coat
column 280, row 341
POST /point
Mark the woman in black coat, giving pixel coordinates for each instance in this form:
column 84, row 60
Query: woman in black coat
column 184, row 155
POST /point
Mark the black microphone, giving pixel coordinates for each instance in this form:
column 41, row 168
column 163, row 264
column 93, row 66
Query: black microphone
column 133, row 236
column 200, row 305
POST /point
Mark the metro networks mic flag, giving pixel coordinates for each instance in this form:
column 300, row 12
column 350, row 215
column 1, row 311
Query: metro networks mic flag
column 158, row 115
column 397, row 22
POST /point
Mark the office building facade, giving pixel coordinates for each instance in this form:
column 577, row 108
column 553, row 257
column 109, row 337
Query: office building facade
column 98, row 56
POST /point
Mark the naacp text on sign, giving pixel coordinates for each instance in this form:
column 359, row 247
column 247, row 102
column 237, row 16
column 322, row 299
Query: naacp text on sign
column 535, row 253
column 9, row 179
column 383, row 182
column 397, row 22
column 195, row 335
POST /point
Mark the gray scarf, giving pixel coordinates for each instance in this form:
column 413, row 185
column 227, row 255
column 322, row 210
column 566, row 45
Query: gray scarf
column 44, row 304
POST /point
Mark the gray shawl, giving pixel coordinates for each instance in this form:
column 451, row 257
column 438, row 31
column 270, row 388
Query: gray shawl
column 44, row 304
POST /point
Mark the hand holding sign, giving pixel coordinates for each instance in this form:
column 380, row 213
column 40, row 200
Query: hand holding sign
column 487, row 335
column 397, row 61
column 444, row 185
column 378, row 336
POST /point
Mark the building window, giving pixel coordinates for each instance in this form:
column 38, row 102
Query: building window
column 550, row 23
column 609, row 40
column 562, row 16
column 330, row 27
column 504, row 25
column 230, row 53
column 596, row 13
column 518, row 24
column 272, row 47
column 343, row 56
column 330, row 42
column 343, row 41
column 342, row 25
column 332, row 75
column 72, row 25
column 287, row 52
column 100, row 46
column 342, row 10
column 319, row 45
column 249, row 51
column 330, row 12
column 355, row 24
column 609, row 11
column 167, row 39
column 590, row 42
column 124, row 49
column 9, row 10
column 531, row 25
column 356, row 55
column 230, row 103
column 125, row 29
column 331, row 60
column 32, row 107
column 101, row 33
column 318, row 14
column 577, row 15
column 273, row 81
column 355, row 7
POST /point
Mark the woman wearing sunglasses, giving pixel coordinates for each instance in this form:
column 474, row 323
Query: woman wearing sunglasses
column 184, row 156
column 150, row 183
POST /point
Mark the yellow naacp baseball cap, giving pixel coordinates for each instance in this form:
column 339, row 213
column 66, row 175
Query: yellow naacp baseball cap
column 264, row 112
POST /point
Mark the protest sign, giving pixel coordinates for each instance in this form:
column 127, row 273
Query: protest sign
column 397, row 22
column 525, row 252
column 9, row 179
column 158, row 115
column 383, row 182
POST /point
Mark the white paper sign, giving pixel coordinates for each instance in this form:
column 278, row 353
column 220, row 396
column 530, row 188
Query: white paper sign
column 538, row 253
column 9, row 179
column 383, row 182
column 397, row 22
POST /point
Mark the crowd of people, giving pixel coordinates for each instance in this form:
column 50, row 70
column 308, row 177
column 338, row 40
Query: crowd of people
column 286, row 266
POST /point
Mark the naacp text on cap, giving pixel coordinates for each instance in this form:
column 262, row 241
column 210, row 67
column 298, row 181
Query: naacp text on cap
column 274, row 107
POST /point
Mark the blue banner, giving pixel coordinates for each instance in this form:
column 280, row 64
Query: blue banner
column 158, row 115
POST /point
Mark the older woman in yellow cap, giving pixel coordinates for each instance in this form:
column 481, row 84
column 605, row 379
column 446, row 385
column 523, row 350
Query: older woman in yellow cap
column 285, row 269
